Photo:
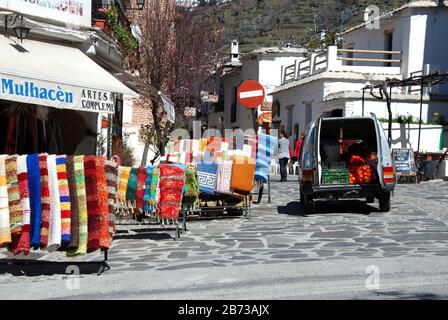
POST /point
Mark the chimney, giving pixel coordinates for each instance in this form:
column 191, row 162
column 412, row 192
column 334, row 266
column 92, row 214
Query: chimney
column 234, row 52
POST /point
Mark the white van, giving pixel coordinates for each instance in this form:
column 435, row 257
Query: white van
column 346, row 158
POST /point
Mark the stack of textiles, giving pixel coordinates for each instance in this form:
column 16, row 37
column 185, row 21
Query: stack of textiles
column 56, row 203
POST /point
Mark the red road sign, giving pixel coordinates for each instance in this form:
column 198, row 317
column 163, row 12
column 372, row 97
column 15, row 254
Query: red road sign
column 251, row 94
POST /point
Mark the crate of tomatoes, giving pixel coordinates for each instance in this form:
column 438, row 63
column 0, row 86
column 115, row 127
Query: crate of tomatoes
column 361, row 170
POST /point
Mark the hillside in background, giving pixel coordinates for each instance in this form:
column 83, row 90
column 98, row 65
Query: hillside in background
column 257, row 23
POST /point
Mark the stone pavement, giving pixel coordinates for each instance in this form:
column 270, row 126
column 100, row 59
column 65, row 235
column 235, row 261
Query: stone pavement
column 417, row 226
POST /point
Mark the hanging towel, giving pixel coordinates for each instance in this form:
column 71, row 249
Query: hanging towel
column 147, row 207
column 103, row 204
column 21, row 243
column 123, row 176
column 171, row 185
column 131, row 189
column 32, row 166
column 243, row 171
column 64, row 194
column 5, row 230
column 154, row 186
column 82, row 205
column 207, row 177
column 92, row 198
column 140, row 193
column 45, row 200
column 54, row 230
column 74, row 208
column 15, row 207
column 191, row 193
column 111, row 169
column 223, row 177
column 267, row 145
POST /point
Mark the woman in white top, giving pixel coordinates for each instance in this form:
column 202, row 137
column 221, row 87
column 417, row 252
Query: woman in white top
column 283, row 155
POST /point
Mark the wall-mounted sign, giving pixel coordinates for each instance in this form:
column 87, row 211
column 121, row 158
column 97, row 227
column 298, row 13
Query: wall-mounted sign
column 190, row 112
column 266, row 106
column 55, row 95
column 71, row 12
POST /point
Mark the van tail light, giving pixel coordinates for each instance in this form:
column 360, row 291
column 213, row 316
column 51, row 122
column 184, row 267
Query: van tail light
column 388, row 175
column 307, row 175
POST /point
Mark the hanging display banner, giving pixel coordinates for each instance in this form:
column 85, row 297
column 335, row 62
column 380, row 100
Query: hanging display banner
column 168, row 107
column 73, row 12
column 55, row 95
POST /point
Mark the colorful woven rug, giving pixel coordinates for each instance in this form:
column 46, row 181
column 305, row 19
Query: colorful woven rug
column 21, row 243
column 74, row 207
column 103, row 204
column 171, row 185
column 54, row 230
column 223, row 177
column 15, row 207
column 267, row 145
column 243, row 171
column 45, row 200
column 111, row 169
column 32, row 166
column 207, row 177
column 65, row 201
column 82, row 205
column 5, row 231
column 93, row 213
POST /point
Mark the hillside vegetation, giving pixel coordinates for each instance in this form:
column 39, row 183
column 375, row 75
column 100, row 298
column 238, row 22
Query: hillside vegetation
column 257, row 23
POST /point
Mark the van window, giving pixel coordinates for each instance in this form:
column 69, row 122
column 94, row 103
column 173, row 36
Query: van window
column 307, row 152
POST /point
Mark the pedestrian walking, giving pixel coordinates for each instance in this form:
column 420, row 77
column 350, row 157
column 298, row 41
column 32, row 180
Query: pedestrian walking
column 283, row 155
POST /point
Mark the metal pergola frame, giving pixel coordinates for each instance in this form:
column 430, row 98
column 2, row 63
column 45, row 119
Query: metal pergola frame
column 385, row 91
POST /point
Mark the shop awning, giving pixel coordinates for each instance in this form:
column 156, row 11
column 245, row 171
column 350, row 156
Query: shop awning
column 56, row 76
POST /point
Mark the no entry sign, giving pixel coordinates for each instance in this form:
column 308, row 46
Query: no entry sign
column 251, row 94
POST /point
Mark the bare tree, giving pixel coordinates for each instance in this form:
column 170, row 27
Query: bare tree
column 177, row 53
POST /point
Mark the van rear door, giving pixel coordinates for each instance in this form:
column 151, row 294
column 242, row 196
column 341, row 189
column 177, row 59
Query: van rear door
column 318, row 156
column 385, row 165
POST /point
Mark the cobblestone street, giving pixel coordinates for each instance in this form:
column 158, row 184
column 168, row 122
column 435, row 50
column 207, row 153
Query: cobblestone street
column 276, row 234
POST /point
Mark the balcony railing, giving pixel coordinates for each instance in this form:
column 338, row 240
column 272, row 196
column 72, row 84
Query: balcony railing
column 334, row 59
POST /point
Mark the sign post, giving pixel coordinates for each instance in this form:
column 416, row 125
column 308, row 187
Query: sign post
column 251, row 94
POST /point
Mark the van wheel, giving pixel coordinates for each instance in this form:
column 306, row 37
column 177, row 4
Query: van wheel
column 384, row 200
column 310, row 205
column 370, row 199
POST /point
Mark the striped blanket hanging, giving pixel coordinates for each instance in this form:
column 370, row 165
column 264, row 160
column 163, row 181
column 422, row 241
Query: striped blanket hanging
column 45, row 200
column 5, row 231
column 32, row 166
column 21, row 243
column 111, row 169
column 267, row 145
column 92, row 198
column 54, row 229
column 74, row 206
column 64, row 194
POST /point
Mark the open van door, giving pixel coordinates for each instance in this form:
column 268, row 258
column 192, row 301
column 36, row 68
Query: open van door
column 385, row 165
column 318, row 156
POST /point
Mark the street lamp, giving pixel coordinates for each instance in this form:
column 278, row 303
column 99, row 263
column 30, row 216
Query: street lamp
column 140, row 5
column 20, row 28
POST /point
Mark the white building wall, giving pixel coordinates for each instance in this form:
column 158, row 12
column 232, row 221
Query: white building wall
column 297, row 98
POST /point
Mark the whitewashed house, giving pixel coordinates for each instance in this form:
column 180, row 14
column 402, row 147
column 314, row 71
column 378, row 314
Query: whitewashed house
column 408, row 41
column 263, row 65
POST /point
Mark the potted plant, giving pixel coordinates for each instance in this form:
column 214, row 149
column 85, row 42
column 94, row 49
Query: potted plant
column 100, row 20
